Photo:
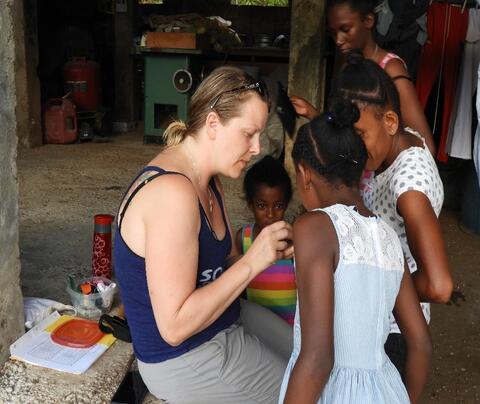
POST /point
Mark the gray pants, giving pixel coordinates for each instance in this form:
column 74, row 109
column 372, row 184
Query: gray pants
column 270, row 329
column 233, row 367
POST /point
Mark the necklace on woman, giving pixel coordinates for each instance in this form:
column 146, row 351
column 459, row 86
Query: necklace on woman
column 193, row 165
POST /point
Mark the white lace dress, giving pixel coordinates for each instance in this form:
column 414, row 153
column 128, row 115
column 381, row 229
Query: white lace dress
column 366, row 283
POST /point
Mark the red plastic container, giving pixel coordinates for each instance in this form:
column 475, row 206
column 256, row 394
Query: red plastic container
column 82, row 78
column 60, row 121
column 102, row 246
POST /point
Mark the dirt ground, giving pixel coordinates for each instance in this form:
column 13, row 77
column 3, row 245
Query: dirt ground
column 63, row 187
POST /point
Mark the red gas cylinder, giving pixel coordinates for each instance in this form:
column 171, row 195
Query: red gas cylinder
column 82, row 78
column 60, row 121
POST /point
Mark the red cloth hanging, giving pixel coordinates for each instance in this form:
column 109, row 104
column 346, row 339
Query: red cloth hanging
column 446, row 28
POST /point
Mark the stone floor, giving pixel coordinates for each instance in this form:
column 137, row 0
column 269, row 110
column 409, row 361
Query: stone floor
column 62, row 187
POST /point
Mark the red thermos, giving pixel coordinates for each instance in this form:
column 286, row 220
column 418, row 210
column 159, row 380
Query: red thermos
column 102, row 246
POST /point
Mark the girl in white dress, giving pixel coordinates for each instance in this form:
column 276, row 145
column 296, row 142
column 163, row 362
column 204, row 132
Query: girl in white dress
column 351, row 274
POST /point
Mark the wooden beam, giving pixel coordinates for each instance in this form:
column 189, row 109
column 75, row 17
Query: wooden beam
column 306, row 65
column 124, row 108
column 29, row 122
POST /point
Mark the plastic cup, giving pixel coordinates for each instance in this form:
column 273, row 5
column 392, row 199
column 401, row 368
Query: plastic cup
column 94, row 304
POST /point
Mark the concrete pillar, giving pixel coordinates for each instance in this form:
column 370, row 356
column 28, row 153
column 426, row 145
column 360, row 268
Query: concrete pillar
column 306, row 73
column 124, row 109
column 11, row 304
column 29, row 125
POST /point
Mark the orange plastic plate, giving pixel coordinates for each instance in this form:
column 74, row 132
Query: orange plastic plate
column 77, row 333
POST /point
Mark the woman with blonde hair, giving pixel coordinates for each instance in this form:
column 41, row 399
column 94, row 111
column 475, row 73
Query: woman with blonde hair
column 172, row 243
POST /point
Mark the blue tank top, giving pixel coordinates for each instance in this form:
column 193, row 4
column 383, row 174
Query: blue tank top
column 148, row 344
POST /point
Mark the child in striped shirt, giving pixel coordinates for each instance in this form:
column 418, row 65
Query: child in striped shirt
column 268, row 191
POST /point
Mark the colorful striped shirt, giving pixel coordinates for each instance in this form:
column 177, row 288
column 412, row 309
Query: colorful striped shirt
column 274, row 288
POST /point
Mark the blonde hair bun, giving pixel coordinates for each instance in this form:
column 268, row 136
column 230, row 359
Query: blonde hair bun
column 175, row 133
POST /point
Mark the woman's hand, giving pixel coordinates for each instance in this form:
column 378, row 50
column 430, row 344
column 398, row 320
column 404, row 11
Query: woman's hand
column 303, row 107
column 273, row 243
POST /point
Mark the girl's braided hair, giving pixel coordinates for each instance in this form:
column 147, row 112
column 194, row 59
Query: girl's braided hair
column 330, row 145
column 364, row 82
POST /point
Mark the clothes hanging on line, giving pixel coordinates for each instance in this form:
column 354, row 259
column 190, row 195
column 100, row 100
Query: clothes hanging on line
column 402, row 29
column 476, row 142
column 459, row 142
column 446, row 28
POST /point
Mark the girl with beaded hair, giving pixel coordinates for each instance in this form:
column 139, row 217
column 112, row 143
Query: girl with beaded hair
column 172, row 243
column 351, row 274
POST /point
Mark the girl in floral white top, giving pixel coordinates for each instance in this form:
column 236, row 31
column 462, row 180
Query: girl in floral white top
column 406, row 191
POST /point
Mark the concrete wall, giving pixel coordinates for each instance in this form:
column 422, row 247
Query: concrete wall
column 11, row 305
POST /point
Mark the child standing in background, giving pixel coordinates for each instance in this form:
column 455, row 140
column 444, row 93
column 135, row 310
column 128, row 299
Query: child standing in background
column 351, row 24
column 268, row 191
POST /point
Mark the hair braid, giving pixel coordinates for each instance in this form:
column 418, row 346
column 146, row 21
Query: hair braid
column 330, row 145
column 304, row 150
column 364, row 82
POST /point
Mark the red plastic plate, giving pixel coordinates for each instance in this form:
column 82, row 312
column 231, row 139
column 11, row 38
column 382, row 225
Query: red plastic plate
column 77, row 333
